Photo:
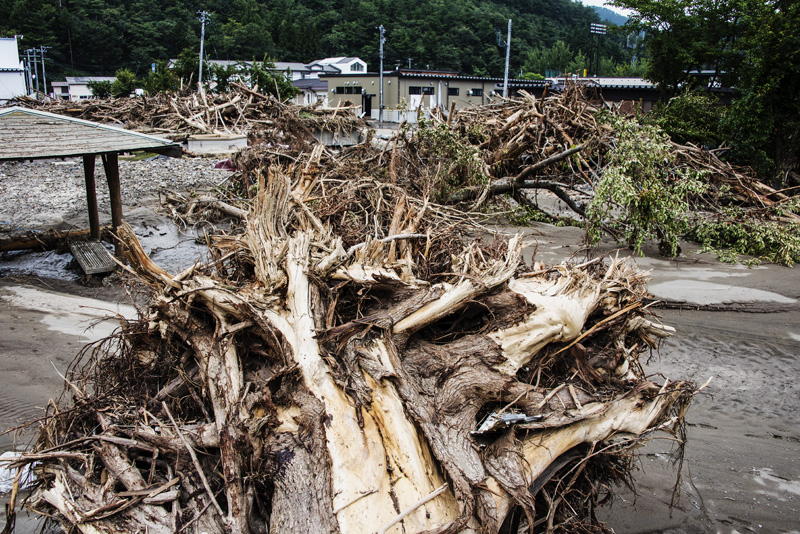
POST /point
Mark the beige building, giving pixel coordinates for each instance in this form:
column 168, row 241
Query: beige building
column 404, row 91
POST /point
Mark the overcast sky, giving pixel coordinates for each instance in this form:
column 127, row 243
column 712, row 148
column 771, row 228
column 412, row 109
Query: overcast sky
column 602, row 3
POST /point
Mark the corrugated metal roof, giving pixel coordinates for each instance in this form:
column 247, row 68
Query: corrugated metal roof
column 86, row 79
column 30, row 134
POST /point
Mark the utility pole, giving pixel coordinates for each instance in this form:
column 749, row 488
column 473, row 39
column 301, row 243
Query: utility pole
column 28, row 75
column 31, row 55
column 43, row 50
column 382, row 33
column 508, row 56
column 204, row 17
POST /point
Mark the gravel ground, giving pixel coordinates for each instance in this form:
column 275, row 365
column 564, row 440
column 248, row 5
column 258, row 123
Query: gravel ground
column 51, row 193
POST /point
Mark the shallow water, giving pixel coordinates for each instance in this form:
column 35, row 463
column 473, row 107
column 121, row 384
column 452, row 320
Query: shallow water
column 171, row 248
column 704, row 293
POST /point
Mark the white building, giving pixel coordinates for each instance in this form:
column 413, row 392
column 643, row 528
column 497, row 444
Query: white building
column 77, row 87
column 12, row 73
column 336, row 65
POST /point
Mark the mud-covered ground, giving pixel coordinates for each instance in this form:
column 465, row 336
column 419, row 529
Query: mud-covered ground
column 740, row 326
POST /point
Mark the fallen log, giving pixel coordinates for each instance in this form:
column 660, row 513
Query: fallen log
column 357, row 386
column 49, row 240
column 510, row 184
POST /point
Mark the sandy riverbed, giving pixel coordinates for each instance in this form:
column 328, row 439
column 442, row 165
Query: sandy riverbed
column 740, row 326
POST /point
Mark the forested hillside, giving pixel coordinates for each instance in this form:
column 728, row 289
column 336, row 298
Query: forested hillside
column 101, row 36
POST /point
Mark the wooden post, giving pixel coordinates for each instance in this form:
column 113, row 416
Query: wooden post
column 111, row 165
column 91, row 195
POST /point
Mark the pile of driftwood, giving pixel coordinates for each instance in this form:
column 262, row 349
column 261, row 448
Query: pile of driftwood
column 466, row 157
column 407, row 381
column 238, row 111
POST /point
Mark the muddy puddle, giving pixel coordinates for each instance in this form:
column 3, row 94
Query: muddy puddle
column 171, row 247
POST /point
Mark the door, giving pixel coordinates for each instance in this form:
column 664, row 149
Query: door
column 366, row 104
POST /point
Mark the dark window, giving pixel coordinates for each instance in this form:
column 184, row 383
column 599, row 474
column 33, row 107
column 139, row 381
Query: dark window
column 427, row 90
column 357, row 90
column 452, row 91
column 415, row 90
column 476, row 91
column 340, row 90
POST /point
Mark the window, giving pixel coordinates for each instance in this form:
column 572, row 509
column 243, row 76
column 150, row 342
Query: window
column 452, row 91
column 427, row 90
column 357, row 90
column 356, row 67
column 415, row 90
column 340, row 90
column 476, row 91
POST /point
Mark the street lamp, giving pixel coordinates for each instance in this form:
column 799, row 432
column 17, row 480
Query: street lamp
column 597, row 29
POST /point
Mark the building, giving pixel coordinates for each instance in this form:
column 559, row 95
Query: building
column 297, row 70
column 336, row 65
column 12, row 73
column 406, row 90
column 312, row 90
column 77, row 87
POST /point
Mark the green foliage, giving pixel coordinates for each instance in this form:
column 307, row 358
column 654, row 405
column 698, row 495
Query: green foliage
column 770, row 75
column 560, row 59
column 100, row 36
column 642, row 193
column 262, row 74
column 735, row 233
column 223, row 75
column 162, row 80
column 457, row 161
column 101, row 89
column 124, row 85
column 555, row 58
column 750, row 45
column 685, row 36
column 749, row 128
column 690, row 117
column 525, row 215
column 187, row 66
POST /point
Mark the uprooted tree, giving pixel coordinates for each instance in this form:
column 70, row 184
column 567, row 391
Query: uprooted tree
column 405, row 383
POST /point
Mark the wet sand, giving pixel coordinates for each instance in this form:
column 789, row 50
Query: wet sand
column 740, row 326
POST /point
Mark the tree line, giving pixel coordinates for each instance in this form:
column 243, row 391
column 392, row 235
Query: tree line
column 751, row 47
column 98, row 37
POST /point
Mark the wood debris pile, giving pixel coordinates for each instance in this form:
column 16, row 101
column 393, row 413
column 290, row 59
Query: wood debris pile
column 405, row 382
column 468, row 156
column 239, row 111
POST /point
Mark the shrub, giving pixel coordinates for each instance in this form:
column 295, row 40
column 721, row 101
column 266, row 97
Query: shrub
column 100, row 89
column 642, row 194
column 124, row 85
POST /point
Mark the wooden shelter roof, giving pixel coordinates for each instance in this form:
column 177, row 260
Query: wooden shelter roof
column 30, row 134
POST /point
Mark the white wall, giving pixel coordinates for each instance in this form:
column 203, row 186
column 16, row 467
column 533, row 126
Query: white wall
column 11, row 83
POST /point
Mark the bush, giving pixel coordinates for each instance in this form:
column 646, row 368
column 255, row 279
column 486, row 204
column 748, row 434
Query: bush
column 690, row 117
column 263, row 74
column 642, row 194
column 735, row 232
column 101, row 89
column 162, row 80
column 124, row 85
